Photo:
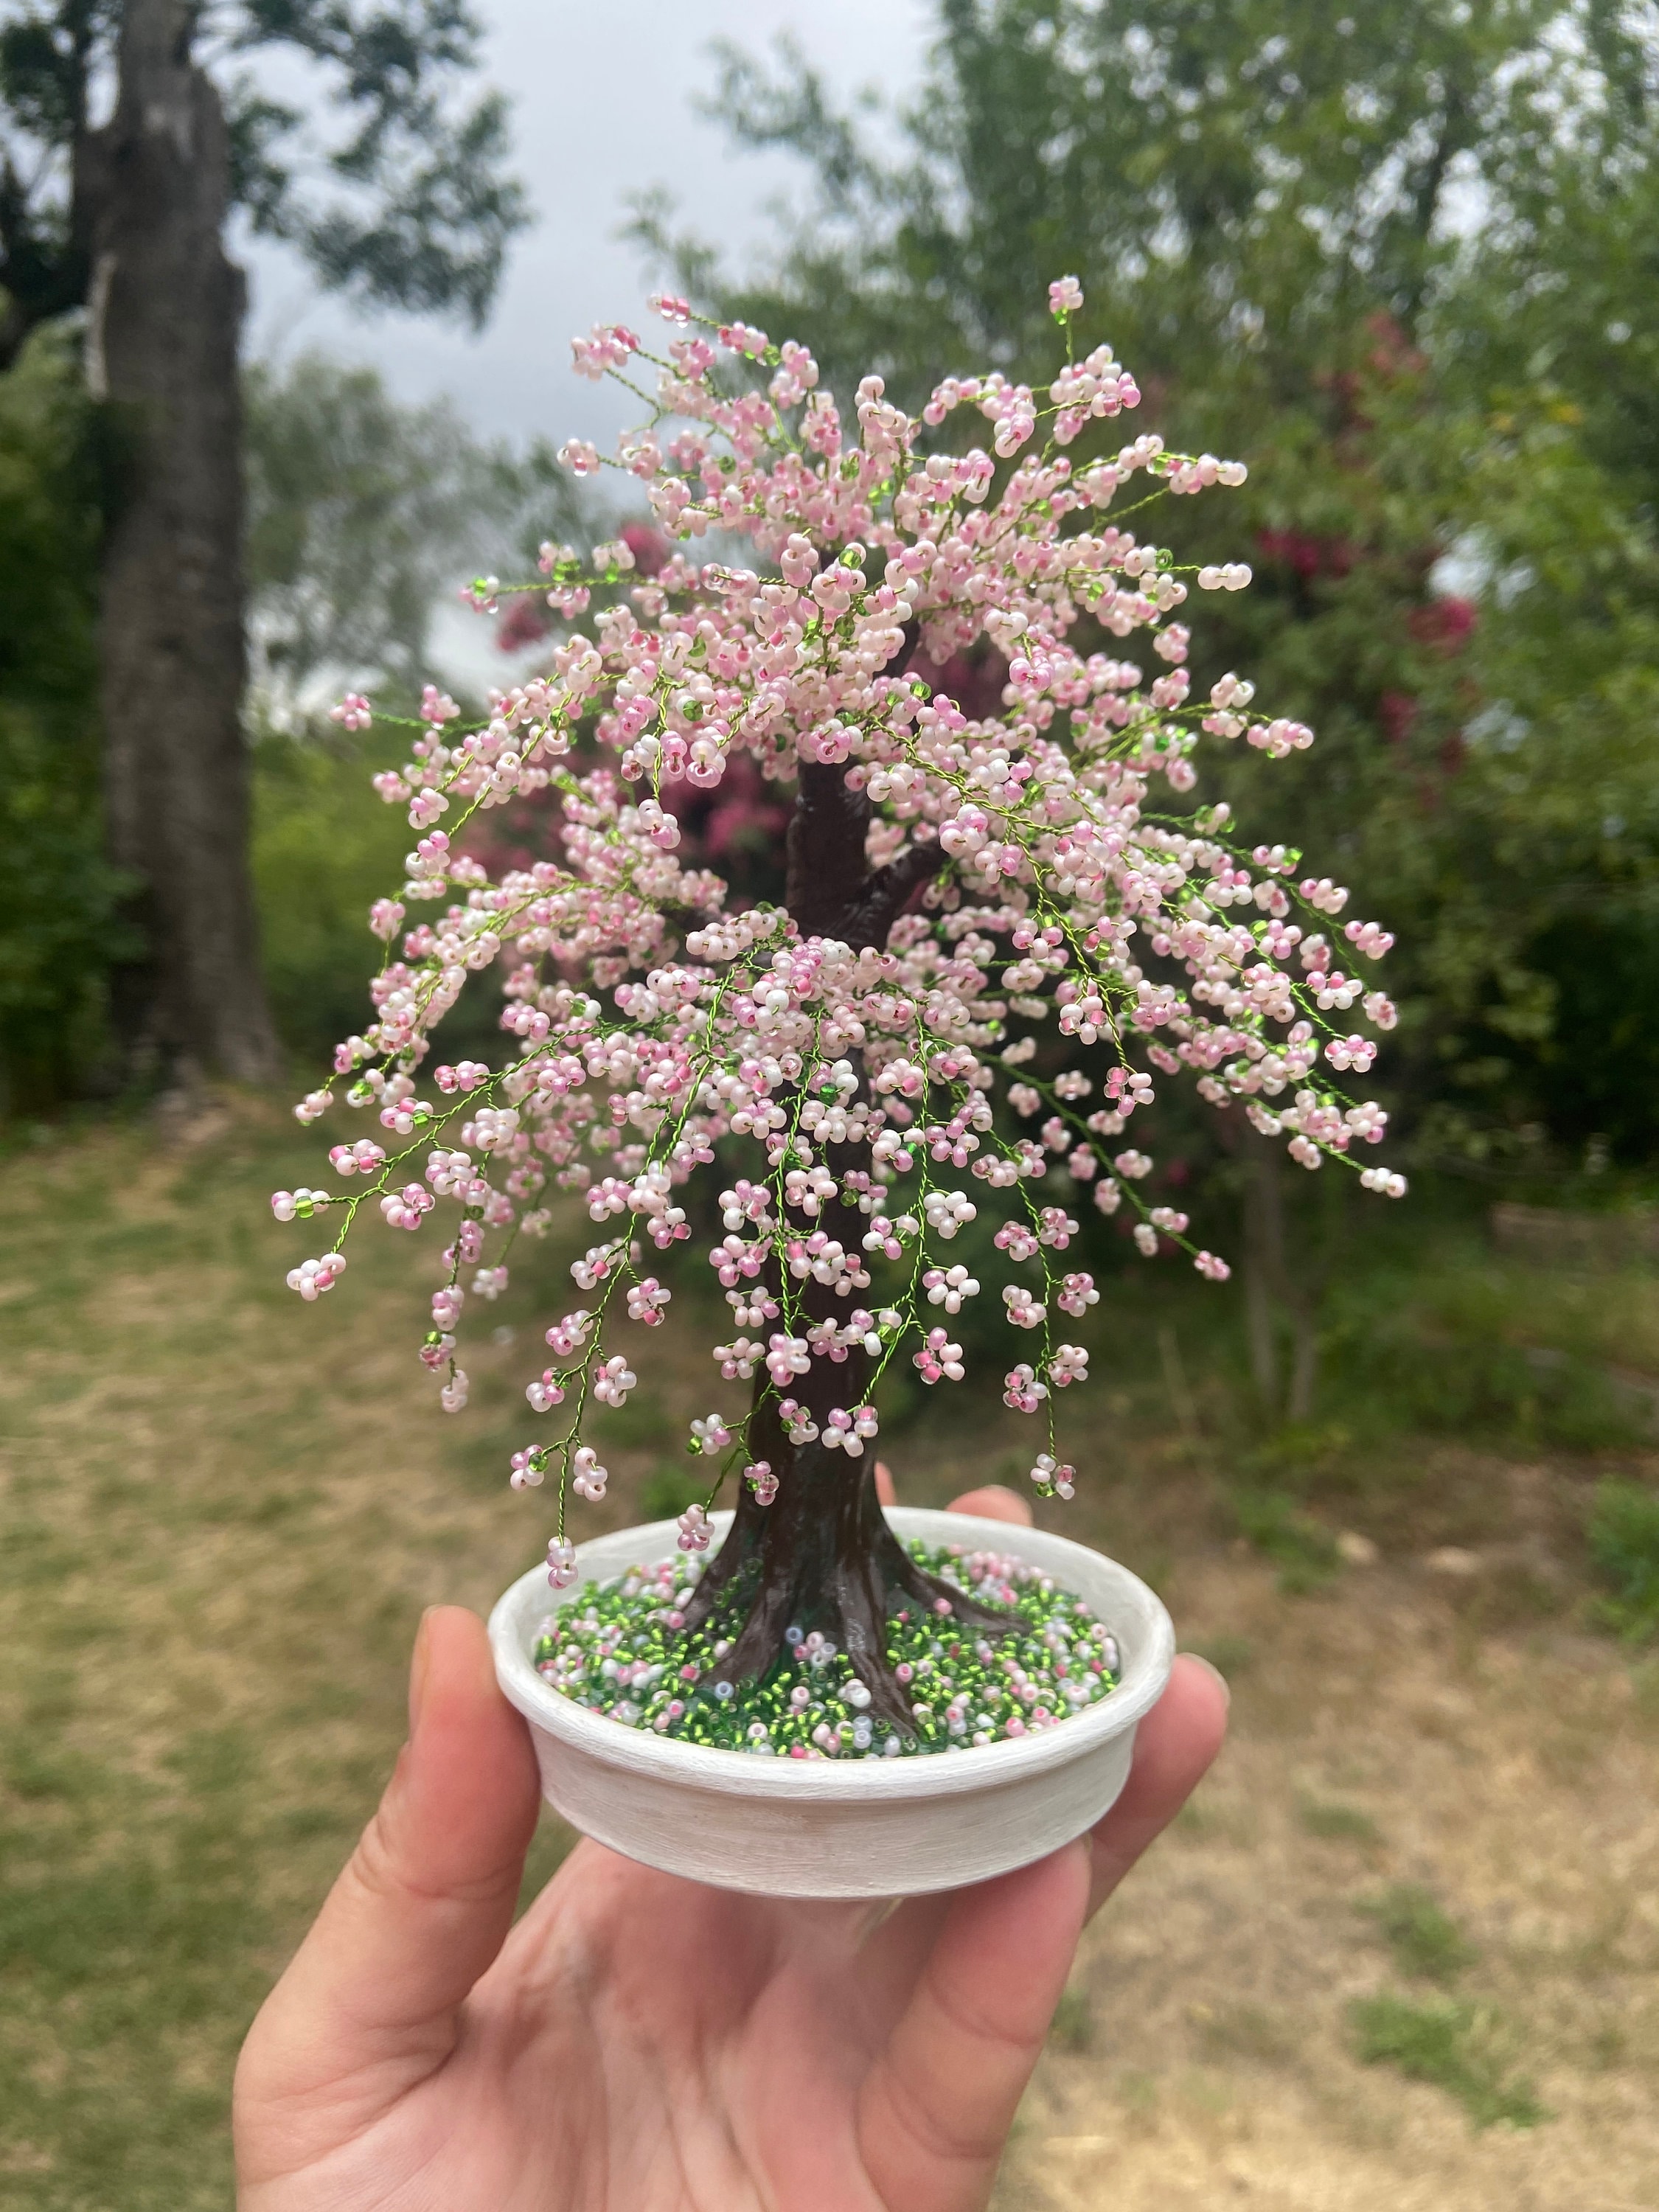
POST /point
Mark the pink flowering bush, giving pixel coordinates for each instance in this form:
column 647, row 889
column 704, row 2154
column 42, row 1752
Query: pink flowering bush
column 1000, row 931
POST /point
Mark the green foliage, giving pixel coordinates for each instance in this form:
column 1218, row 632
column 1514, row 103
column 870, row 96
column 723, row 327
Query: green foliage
column 1241, row 177
column 1230, row 1655
column 423, row 213
column 644, row 1423
column 670, row 1487
column 354, row 501
column 1450, row 2046
column 1442, row 1348
column 1072, row 2027
column 1453, row 440
column 1305, row 1552
column 323, row 849
column 1423, row 1939
column 1624, row 1545
column 1488, row 747
column 1334, row 1822
column 1599, row 1067
column 409, row 208
column 56, row 920
column 362, row 513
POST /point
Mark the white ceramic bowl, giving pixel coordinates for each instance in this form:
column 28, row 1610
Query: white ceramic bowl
column 854, row 1828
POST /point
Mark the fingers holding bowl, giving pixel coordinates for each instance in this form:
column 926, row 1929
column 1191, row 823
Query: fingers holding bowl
column 1176, row 1742
column 1175, row 1746
column 992, row 1501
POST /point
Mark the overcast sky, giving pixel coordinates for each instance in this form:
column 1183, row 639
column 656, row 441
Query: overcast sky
column 602, row 108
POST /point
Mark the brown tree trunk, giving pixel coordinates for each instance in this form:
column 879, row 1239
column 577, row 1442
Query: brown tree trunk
column 1304, row 1364
column 164, row 321
column 1258, row 1310
column 1268, row 1278
column 1264, row 1265
column 821, row 1555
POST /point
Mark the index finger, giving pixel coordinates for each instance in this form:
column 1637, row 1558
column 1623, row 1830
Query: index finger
column 992, row 1501
column 1175, row 1746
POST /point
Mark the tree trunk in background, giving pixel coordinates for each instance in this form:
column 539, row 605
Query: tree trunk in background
column 164, row 321
column 1304, row 1361
column 1267, row 1278
column 1258, row 1299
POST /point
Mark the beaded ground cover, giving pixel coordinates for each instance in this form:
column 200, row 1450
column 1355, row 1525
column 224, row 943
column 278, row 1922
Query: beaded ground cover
column 620, row 1647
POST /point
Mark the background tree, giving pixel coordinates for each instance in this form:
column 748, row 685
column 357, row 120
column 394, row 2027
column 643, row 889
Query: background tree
column 362, row 513
column 126, row 218
column 1400, row 256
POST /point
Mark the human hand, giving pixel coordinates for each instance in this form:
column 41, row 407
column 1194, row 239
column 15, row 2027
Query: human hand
column 641, row 2044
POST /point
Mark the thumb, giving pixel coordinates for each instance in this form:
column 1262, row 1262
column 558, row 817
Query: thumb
column 935, row 2112
column 370, row 2005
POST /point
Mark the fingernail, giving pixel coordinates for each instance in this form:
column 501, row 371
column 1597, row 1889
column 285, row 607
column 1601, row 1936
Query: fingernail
column 417, row 1670
column 1197, row 1659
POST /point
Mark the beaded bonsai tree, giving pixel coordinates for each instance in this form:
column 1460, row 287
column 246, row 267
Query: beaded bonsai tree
column 861, row 1066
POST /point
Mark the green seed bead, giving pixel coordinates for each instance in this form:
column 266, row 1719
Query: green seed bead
column 624, row 1623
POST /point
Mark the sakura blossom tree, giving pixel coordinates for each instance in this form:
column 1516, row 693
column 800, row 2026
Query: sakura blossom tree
column 999, row 931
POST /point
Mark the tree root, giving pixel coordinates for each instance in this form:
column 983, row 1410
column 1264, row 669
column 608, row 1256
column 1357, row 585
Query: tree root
column 848, row 1598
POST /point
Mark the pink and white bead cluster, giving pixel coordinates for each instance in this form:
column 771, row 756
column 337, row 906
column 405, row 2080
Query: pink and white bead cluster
column 645, row 1024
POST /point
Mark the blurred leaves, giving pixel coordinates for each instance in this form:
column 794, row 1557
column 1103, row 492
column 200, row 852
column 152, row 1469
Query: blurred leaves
column 1425, row 1940
column 363, row 512
column 348, row 508
column 405, row 202
column 1624, row 1548
column 57, row 918
column 314, row 889
column 1400, row 260
column 1304, row 1551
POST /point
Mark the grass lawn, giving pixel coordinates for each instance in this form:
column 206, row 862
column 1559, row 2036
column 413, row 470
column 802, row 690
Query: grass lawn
column 1400, row 1953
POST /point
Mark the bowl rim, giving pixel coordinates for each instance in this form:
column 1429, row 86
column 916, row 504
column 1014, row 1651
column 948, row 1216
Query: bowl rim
column 642, row 1752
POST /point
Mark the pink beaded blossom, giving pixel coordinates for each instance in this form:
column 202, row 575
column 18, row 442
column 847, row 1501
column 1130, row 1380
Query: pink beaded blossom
column 1052, row 1477
column 694, row 1531
column 587, row 1477
column 612, row 1382
column 1052, row 908
column 647, row 1301
column 313, row 1277
column 352, row 713
column 850, row 1431
column 938, row 1359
